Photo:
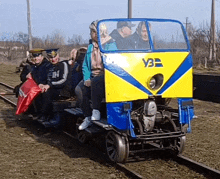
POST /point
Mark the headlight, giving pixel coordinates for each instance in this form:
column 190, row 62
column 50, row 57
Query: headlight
column 155, row 82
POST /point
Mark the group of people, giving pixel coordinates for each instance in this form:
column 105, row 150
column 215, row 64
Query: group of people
column 93, row 70
column 54, row 77
column 125, row 40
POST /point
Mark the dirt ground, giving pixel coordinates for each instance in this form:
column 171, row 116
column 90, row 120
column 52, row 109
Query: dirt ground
column 27, row 150
column 203, row 144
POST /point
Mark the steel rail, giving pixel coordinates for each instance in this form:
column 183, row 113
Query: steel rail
column 201, row 168
column 196, row 166
column 8, row 86
column 4, row 98
column 8, row 101
column 128, row 171
column 121, row 167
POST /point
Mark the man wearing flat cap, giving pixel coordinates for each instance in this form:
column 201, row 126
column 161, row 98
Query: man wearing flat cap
column 121, row 33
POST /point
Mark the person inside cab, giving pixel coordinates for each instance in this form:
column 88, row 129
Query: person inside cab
column 93, row 77
column 140, row 39
column 121, row 34
column 107, row 42
column 56, row 82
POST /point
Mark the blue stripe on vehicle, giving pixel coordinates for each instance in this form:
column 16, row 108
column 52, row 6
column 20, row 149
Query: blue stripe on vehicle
column 183, row 68
column 118, row 71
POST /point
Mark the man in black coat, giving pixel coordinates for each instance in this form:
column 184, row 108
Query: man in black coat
column 121, row 34
column 39, row 72
column 41, row 68
column 57, row 81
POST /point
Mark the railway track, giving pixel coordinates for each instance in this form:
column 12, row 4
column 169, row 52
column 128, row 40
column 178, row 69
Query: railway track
column 6, row 93
column 199, row 167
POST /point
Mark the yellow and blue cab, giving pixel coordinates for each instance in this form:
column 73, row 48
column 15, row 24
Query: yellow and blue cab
column 148, row 85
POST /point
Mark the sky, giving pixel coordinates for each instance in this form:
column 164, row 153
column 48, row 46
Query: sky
column 74, row 16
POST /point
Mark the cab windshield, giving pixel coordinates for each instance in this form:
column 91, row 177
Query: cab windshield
column 141, row 35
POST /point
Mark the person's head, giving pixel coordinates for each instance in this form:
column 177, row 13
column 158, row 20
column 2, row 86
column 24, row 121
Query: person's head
column 93, row 30
column 30, row 58
column 142, row 31
column 36, row 55
column 104, row 33
column 103, row 30
column 124, row 28
column 73, row 54
column 53, row 55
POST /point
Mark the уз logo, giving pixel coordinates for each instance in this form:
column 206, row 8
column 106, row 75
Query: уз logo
column 152, row 62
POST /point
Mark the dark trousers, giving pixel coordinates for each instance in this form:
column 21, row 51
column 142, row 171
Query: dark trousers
column 96, row 93
column 47, row 99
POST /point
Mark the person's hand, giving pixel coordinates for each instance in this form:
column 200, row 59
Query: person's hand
column 43, row 88
column 46, row 87
column 28, row 75
column 87, row 83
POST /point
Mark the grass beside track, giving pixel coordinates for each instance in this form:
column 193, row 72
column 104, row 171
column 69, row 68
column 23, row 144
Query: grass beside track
column 8, row 74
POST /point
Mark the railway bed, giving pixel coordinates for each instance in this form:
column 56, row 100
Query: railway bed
column 131, row 172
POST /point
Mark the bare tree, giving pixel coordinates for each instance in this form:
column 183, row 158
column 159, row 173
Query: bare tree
column 79, row 40
column 199, row 39
column 57, row 38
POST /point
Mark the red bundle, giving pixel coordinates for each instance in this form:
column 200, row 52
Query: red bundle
column 27, row 93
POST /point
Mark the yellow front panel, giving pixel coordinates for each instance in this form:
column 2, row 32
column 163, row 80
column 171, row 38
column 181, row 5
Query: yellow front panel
column 127, row 75
column 182, row 88
column 120, row 92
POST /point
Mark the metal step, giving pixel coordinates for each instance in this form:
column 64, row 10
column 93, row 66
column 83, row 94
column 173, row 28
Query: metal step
column 74, row 111
column 94, row 130
column 103, row 123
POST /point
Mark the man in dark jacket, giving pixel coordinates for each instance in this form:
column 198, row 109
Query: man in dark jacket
column 39, row 72
column 56, row 82
column 41, row 68
column 121, row 34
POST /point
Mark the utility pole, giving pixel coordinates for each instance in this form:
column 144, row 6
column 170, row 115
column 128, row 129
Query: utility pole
column 129, row 9
column 212, row 49
column 29, row 25
column 187, row 22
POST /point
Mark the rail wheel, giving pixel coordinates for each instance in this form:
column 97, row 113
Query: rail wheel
column 117, row 147
column 180, row 145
